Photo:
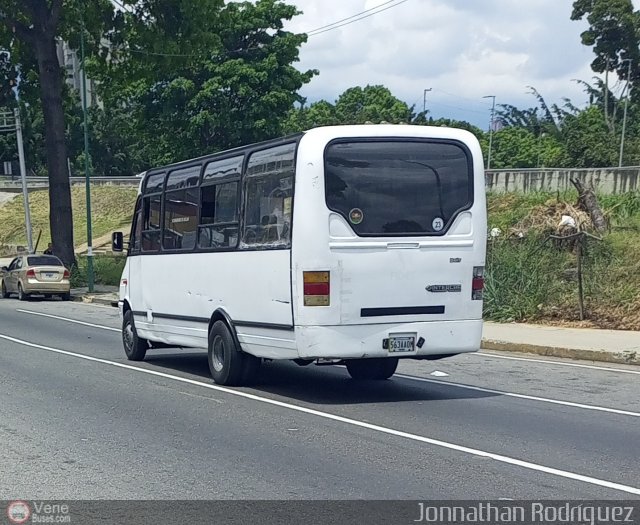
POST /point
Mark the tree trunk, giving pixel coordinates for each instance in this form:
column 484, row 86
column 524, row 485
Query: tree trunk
column 60, row 215
column 588, row 201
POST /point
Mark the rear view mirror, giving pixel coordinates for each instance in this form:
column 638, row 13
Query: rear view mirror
column 4, row 269
column 117, row 242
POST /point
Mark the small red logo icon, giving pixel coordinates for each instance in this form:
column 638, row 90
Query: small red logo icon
column 18, row 511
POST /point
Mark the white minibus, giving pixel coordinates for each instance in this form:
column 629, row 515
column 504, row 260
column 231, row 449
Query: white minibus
column 355, row 245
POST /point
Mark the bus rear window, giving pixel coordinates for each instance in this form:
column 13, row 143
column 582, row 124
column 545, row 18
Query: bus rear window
column 395, row 187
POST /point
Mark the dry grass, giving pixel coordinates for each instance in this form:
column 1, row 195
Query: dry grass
column 112, row 208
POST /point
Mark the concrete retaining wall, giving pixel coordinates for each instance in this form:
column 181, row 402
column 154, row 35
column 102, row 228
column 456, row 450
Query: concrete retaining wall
column 603, row 180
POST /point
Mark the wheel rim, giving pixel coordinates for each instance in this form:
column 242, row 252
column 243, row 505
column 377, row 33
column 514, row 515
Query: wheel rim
column 127, row 335
column 217, row 359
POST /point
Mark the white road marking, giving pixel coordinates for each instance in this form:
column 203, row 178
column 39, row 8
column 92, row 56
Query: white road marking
column 353, row 422
column 522, row 396
column 561, row 363
column 102, row 327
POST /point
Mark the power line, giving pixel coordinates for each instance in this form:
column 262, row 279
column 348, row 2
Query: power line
column 356, row 20
column 350, row 17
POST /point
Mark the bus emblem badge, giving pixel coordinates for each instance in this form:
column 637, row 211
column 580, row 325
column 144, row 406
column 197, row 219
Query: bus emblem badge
column 443, row 288
column 356, row 216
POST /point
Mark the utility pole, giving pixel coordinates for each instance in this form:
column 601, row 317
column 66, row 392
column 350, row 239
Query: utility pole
column 624, row 119
column 23, row 177
column 493, row 111
column 90, row 280
column 424, row 102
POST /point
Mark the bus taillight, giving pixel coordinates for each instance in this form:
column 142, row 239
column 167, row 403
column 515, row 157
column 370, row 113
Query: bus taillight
column 317, row 288
column 477, row 284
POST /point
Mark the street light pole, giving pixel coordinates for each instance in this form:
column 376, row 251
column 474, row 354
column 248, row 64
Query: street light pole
column 493, row 111
column 624, row 119
column 90, row 280
column 424, row 102
column 23, row 177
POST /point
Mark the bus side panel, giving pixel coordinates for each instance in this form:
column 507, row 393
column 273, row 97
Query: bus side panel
column 180, row 292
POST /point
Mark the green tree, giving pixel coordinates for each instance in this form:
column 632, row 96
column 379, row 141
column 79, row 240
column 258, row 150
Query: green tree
column 588, row 141
column 198, row 77
column 371, row 104
column 29, row 32
column 613, row 33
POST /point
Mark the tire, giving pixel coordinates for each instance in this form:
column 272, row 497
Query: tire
column 377, row 369
column 135, row 347
column 21, row 295
column 65, row 296
column 48, row 296
column 227, row 363
column 5, row 294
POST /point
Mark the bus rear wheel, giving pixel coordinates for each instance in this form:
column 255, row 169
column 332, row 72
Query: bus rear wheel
column 372, row 369
column 227, row 363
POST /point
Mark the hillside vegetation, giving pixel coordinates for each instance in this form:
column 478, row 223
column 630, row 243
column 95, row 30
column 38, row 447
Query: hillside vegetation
column 111, row 207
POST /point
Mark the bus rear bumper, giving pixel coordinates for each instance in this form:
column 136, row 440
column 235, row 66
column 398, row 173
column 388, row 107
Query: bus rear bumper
column 440, row 338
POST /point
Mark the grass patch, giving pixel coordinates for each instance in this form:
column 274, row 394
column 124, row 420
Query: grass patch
column 532, row 279
column 111, row 208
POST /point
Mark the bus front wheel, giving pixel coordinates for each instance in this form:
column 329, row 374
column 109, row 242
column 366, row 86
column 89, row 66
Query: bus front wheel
column 372, row 369
column 227, row 363
column 134, row 347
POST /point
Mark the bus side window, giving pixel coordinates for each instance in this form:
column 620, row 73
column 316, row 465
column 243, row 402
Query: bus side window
column 136, row 230
column 151, row 223
column 219, row 216
column 268, row 197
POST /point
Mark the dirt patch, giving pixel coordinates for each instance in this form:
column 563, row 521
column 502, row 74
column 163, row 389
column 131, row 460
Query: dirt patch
column 6, row 197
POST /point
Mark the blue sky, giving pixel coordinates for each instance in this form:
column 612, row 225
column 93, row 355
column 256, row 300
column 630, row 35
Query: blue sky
column 461, row 49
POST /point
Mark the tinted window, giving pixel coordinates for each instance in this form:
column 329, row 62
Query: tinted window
column 136, row 229
column 151, row 223
column 154, row 183
column 44, row 260
column 180, row 219
column 268, row 197
column 394, row 187
column 184, row 178
column 219, row 216
column 223, row 168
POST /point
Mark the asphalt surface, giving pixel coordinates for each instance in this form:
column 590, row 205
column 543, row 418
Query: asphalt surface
column 78, row 421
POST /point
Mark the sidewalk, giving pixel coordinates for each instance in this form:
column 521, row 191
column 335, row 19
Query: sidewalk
column 104, row 295
column 613, row 346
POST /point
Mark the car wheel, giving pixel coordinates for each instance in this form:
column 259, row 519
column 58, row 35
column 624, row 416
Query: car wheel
column 227, row 363
column 21, row 295
column 4, row 292
column 135, row 347
column 372, row 369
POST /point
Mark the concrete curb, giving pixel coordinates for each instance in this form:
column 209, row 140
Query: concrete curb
column 627, row 358
column 105, row 301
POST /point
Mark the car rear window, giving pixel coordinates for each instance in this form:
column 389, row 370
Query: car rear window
column 44, row 260
column 398, row 187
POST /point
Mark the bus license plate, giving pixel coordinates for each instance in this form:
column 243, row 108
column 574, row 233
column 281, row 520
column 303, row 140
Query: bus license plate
column 401, row 344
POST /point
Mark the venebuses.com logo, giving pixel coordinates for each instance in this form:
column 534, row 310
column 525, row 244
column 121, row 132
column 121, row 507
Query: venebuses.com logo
column 18, row 511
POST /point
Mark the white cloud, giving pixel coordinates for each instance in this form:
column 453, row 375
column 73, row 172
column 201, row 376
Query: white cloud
column 462, row 49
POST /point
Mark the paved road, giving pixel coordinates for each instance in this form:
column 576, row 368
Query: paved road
column 78, row 421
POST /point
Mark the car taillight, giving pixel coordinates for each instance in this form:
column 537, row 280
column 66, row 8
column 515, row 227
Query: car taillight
column 317, row 288
column 477, row 283
column 66, row 274
column 31, row 273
